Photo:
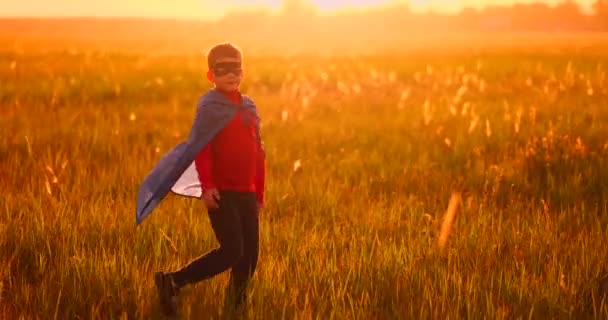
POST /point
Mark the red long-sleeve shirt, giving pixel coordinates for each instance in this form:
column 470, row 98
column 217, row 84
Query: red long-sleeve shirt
column 234, row 160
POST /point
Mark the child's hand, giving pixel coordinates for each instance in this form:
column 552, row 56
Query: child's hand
column 211, row 198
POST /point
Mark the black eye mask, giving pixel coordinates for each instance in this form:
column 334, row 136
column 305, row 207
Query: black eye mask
column 224, row 68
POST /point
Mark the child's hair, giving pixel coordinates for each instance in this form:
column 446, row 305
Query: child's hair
column 223, row 50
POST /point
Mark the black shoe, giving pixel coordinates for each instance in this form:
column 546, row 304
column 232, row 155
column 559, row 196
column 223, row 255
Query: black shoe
column 167, row 293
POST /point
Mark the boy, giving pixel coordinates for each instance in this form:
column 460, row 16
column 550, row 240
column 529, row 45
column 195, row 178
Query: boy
column 228, row 173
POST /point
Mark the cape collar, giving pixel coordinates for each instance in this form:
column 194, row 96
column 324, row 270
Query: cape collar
column 216, row 97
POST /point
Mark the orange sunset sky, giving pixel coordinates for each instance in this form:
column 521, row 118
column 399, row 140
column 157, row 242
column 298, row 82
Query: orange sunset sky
column 213, row 9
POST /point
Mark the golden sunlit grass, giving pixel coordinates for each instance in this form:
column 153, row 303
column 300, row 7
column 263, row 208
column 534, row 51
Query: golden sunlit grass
column 364, row 154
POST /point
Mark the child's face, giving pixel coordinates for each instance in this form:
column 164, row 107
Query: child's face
column 227, row 74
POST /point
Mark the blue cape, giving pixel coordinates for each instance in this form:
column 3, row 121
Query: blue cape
column 214, row 111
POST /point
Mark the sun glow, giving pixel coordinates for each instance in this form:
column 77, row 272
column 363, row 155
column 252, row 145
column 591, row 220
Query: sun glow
column 211, row 9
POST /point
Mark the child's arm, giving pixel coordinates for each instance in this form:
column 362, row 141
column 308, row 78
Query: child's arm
column 204, row 168
column 260, row 177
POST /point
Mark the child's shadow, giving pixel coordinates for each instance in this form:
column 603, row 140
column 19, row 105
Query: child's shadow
column 201, row 308
column 195, row 304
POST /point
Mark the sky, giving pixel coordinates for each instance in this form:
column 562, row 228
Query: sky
column 213, row 9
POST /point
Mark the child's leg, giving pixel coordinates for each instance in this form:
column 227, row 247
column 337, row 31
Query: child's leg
column 226, row 224
column 243, row 271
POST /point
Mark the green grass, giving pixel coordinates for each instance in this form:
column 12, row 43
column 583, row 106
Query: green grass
column 353, row 234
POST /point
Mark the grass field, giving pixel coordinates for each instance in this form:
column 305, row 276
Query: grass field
column 380, row 142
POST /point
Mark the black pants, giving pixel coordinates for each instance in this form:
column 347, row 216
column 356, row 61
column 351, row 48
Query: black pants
column 236, row 227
